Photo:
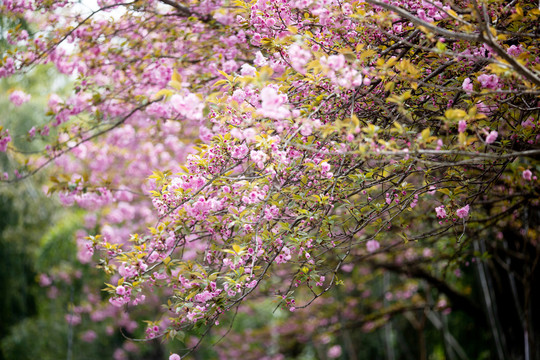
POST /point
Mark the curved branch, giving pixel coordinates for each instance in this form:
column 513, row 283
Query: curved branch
column 459, row 300
column 447, row 33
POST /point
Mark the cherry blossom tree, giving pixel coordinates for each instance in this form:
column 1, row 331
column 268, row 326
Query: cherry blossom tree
column 229, row 151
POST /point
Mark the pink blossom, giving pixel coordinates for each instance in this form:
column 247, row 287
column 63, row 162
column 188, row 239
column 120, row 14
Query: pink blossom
column 529, row 123
column 270, row 22
column 441, row 212
column 237, row 133
column 231, row 66
column 488, row 81
column 189, row 106
column 249, row 134
column 251, row 284
column 174, row 357
column 372, row 245
column 467, row 85
column 463, row 212
column 272, row 104
column 298, row 57
column 325, row 167
column 239, row 95
column 527, row 175
column 247, row 70
column 306, row 129
column 239, row 152
column 514, row 50
column 85, row 250
column 271, row 212
column 127, row 271
column 118, row 302
column 89, row 336
column 4, row 140
column 260, row 60
column 54, row 102
column 414, row 202
column 334, row 352
column 462, row 126
column 44, row 280
column 205, row 134
column 259, row 157
column 19, row 97
column 119, row 354
column 490, row 139
column 336, row 62
column 154, row 256
column 204, row 296
column 485, row 109
column 347, row 9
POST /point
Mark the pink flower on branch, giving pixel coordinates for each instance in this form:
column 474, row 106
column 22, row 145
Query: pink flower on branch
column 334, row 352
column 441, row 212
column 19, row 97
column 492, row 136
column 467, row 85
column 247, row 70
column 336, row 62
column 4, row 139
column 463, row 212
column 299, row 57
column 462, row 126
column 189, row 106
column 272, row 104
column 372, row 245
column 488, row 81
